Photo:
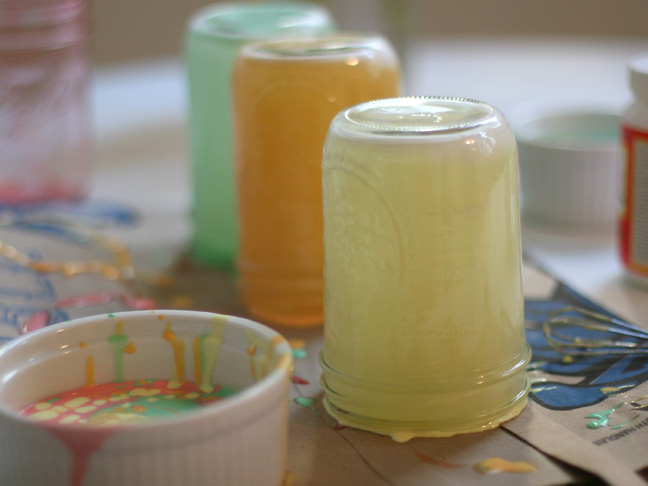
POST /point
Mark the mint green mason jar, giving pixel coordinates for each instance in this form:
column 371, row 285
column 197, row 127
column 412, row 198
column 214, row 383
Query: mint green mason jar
column 214, row 37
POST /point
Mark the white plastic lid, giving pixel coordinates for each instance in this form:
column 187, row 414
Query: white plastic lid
column 639, row 78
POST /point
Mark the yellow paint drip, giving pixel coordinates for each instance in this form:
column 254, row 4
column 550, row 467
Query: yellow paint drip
column 89, row 371
column 261, row 365
column 258, row 364
column 494, row 465
column 178, row 346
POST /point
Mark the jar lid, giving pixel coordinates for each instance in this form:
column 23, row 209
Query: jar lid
column 638, row 69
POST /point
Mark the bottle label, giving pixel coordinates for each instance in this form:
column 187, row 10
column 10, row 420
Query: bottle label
column 633, row 217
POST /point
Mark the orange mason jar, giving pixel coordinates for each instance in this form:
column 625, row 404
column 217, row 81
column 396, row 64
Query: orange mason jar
column 286, row 93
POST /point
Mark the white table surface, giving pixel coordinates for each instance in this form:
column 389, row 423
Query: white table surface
column 142, row 156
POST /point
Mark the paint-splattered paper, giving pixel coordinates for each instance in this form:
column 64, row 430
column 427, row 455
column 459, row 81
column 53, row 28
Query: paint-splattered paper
column 587, row 420
column 545, row 445
column 35, row 247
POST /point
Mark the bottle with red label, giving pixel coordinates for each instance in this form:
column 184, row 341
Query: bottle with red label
column 633, row 217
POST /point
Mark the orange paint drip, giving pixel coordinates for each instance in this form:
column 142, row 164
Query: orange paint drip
column 120, row 328
column 90, row 371
column 130, row 348
column 251, row 351
column 438, row 462
column 494, row 465
column 178, row 354
column 82, row 345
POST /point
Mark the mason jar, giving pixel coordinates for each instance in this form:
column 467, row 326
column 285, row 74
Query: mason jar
column 286, row 93
column 424, row 311
column 215, row 35
column 44, row 111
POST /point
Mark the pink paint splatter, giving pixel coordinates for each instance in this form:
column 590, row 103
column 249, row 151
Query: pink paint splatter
column 37, row 321
column 82, row 444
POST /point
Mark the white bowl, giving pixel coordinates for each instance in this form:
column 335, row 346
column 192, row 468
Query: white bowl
column 569, row 156
column 239, row 440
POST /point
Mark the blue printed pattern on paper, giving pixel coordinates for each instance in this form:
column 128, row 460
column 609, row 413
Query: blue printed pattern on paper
column 587, row 379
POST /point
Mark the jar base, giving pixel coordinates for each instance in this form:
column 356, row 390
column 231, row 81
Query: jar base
column 207, row 254
column 283, row 300
column 280, row 319
column 403, row 432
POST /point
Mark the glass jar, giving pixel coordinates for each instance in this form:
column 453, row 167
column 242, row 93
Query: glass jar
column 214, row 37
column 633, row 217
column 424, row 311
column 285, row 95
column 44, row 112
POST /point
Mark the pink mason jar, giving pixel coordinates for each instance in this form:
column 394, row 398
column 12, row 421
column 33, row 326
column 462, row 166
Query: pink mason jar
column 44, row 112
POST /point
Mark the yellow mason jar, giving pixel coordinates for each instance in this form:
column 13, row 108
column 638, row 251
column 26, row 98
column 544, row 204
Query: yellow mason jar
column 424, row 312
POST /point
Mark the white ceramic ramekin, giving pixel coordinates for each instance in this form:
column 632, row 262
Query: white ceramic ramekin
column 241, row 440
column 569, row 156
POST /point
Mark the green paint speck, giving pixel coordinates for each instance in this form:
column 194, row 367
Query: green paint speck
column 299, row 353
column 112, row 314
column 601, row 418
column 307, row 402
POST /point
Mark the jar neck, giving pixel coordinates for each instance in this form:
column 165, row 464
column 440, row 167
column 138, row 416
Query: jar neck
column 42, row 24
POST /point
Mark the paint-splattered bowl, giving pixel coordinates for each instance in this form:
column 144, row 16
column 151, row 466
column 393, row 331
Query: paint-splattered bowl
column 237, row 440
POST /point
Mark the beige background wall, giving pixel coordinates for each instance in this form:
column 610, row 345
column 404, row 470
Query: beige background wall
column 127, row 30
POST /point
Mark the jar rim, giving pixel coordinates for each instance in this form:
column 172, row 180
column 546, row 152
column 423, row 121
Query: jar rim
column 316, row 47
column 258, row 20
column 415, row 116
